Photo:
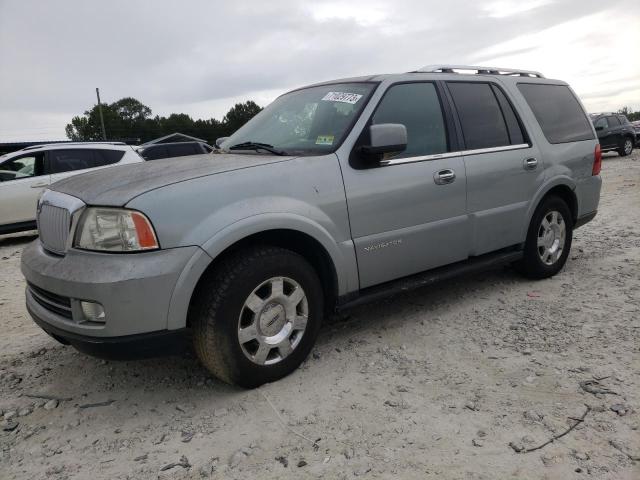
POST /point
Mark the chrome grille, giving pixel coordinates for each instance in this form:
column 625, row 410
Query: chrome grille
column 54, row 224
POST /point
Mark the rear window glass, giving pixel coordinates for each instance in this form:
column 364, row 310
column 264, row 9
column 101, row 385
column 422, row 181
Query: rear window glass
column 182, row 150
column 154, row 153
column 69, row 160
column 558, row 112
column 483, row 124
column 106, row 157
column 613, row 121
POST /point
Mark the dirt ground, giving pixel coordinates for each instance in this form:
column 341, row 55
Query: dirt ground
column 445, row 382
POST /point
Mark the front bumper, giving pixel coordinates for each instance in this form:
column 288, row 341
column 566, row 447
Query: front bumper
column 137, row 291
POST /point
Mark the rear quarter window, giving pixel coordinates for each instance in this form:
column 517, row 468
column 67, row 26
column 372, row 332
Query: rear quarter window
column 102, row 158
column 558, row 112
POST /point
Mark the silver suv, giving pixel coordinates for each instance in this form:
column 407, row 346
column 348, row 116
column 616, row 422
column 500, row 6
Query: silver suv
column 335, row 194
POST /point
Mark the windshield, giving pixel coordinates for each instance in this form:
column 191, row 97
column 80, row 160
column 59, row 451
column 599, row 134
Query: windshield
column 312, row 120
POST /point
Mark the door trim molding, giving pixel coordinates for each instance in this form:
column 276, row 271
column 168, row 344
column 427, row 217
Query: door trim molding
column 437, row 156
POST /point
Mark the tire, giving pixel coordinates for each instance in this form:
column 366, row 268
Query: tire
column 627, row 147
column 544, row 261
column 256, row 295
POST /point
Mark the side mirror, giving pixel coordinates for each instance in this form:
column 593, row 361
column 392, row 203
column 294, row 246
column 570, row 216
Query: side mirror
column 220, row 141
column 385, row 138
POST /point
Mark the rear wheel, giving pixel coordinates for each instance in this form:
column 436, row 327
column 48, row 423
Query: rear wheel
column 626, row 148
column 256, row 317
column 548, row 239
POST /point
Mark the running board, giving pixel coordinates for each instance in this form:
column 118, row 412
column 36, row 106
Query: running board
column 472, row 265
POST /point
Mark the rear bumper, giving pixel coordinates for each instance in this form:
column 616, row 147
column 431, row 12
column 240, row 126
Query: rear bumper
column 585, row 219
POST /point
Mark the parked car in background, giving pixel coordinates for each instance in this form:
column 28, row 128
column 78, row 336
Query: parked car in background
column 615, row 133
column 333, row 195
column 636, row 129
column 168, row 150
column 25, row 173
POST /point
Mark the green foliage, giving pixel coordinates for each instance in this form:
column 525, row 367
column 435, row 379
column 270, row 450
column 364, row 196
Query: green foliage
column 128, row 119
column 632, row 116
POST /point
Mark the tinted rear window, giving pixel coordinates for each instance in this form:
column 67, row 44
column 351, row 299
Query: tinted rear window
column 154, row 153
column 106, row 157
column 183, row 149
column 483, row 124
column 69, row 160
column 558, row 112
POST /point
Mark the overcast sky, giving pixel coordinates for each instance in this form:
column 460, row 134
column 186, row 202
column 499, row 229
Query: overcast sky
column 201, row 57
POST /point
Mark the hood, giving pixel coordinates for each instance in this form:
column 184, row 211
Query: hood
column 116, row 186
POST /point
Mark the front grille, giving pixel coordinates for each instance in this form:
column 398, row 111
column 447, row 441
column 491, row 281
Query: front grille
column 51, row 301
column 54, row 224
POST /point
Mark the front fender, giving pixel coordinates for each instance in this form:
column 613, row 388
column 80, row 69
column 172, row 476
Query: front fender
column 341, row 253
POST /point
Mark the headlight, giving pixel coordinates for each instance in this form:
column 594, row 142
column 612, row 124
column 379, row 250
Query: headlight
column 114, row 230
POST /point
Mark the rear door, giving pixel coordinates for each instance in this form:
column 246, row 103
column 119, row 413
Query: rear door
column 503, row 169
column 615, row 135
column 22, row 178
column 604, row 134
column 408, row 213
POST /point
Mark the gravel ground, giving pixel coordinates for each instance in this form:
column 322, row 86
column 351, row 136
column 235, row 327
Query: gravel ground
column 445, row 382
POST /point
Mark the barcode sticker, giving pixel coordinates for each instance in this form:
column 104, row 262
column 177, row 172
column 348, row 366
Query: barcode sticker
column 342, row 97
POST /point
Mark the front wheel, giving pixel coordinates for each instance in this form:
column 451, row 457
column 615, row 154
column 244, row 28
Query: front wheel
column 548, row 239
column 627, row 147
column 256, row 316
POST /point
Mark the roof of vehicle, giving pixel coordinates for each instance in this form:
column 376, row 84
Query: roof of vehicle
column 69, row 145
column 145, row 146
column 449, row 72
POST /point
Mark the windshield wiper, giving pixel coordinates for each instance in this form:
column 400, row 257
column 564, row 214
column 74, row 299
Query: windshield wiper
column 257, row 146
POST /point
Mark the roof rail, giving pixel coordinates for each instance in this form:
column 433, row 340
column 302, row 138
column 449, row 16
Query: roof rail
column 478, row 70
column 31, row 147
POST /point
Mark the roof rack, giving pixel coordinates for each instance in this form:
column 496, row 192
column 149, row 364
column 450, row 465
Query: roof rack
column 71, row 143
column 478, row 70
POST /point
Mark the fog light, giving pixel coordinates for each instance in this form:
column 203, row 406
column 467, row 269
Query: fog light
column 92, row 311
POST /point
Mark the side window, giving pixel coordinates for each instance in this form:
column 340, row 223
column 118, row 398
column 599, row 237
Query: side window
column 417, row 107
column 102, row 158
column 26, row 166
column 516, row 133
column 601, row 122
column 557, row 111
column 155, row 153
column 623, row 120
column 483, row 125
column 181, row 150
column 613, row 121
column 61, row 161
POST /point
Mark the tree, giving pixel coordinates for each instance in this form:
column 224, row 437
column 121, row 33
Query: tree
column 240, row 114
column 632, row 116
column 128, row 118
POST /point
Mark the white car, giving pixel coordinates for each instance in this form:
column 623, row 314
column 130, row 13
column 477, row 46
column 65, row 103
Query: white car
column 25, row 173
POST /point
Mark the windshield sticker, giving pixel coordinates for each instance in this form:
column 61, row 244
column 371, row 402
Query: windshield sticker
column 342, row 97
column 324, row 140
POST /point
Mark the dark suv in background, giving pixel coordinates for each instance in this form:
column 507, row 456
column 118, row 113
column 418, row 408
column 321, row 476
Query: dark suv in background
column 168, row 150
column 614, row 132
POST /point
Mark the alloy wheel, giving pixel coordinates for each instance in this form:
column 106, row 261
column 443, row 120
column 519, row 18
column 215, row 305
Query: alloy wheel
column 273, row 320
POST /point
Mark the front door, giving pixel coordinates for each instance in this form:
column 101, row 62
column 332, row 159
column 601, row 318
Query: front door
column 22, row 179
column 408, row 214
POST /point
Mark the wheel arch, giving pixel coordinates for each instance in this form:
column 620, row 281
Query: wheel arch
column 308, row 240
column 563, row 187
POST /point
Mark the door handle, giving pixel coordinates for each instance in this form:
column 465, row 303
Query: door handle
column 443, row 177
column 530, row 163
column 39, row 185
